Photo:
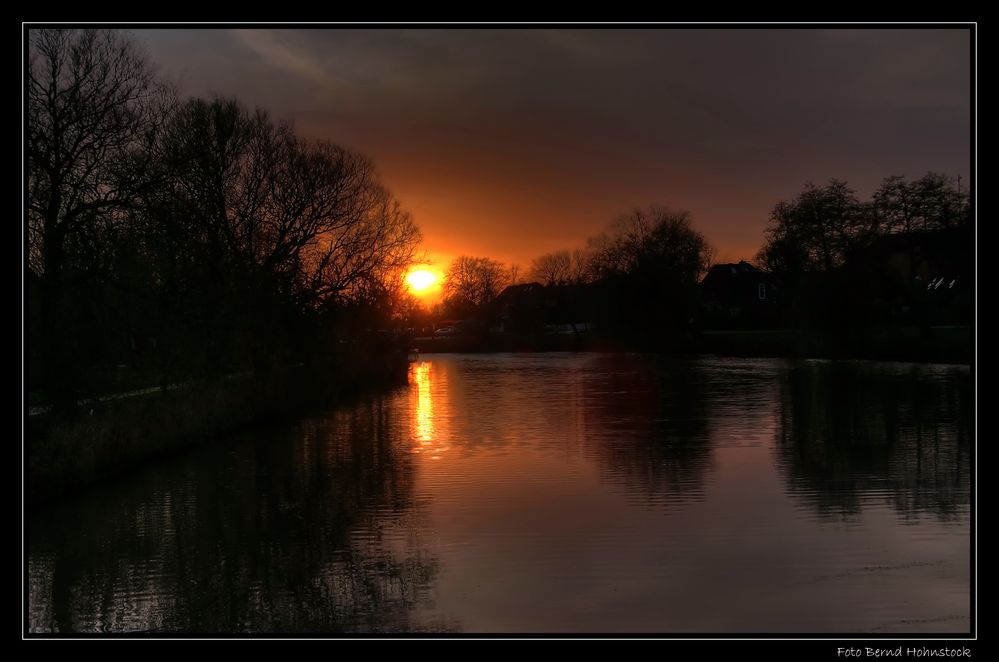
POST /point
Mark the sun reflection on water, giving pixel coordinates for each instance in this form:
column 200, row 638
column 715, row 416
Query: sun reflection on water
column 425, row 433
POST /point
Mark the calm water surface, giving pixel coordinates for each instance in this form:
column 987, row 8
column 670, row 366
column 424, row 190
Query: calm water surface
column 547, row 493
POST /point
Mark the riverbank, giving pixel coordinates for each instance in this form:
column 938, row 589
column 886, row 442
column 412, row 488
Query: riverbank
column 941, row 344
column 944, row 344
column 114, row 434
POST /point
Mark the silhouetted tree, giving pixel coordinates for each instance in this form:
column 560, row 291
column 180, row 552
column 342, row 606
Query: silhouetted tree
column 562, row 267
column 514, row 274
column 273, row 222
column 831, row 250
column 932, row 202
column 94, row 110
column 648, row 265
column 783, row 253
column 552, row 268
column 895, row 205
column 472, row 282
column 939, row 204
column 815, row 231
column 656, row 242
column 94, row 106
column 202, row 234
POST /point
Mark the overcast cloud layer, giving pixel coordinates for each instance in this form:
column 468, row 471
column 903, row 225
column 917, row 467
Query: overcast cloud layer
column 511, row 143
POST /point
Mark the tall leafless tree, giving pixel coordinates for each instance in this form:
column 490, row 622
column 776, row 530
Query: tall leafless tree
column 472, row 282
column 819, row 228
column 657, row 242
column 562, row 267
column 94, row 109
column 271, row 217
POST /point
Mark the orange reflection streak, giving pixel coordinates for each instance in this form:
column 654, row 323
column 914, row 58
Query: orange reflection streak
column 424, row 419
column 428, row 416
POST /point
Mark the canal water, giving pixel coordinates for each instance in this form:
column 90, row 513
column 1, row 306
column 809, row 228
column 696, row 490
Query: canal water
column 549, row 493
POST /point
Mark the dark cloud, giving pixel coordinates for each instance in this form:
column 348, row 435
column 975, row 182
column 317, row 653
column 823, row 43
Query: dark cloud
column 515, row 142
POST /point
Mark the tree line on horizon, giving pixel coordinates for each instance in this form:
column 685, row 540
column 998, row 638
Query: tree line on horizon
column 187, row 237
column 644, row 268
column 822, row 226
column 639, row 274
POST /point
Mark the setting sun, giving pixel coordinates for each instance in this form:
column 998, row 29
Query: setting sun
column 420, row 280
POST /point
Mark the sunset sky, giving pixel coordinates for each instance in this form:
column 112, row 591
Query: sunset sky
column 510, row 143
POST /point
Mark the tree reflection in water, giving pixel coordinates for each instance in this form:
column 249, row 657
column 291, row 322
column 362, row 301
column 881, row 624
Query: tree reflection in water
column 647, row 424
column 895, row 433
column 560, row 491
column 237, row 538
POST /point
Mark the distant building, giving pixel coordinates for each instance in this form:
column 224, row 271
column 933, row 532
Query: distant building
column 519, row 309
column 919, row 257
column 531, row 309
column 930, row 270
column 739, row 294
